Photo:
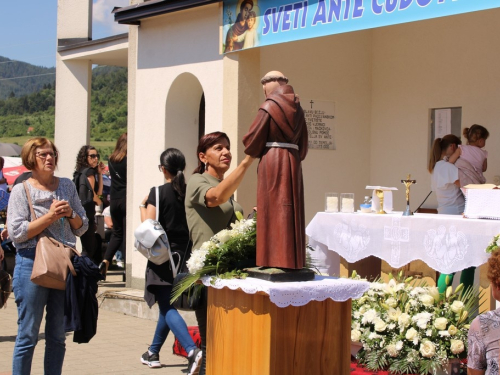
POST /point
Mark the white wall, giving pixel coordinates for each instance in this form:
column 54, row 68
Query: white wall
column 170, row 46
column 444, row 62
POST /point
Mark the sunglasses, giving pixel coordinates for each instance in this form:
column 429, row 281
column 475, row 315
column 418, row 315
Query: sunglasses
column 93, row 156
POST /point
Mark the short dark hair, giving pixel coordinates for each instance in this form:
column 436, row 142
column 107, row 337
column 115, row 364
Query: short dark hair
column 207, row 141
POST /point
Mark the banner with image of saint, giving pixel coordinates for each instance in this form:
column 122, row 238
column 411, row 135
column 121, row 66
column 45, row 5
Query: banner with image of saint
column 255, row 23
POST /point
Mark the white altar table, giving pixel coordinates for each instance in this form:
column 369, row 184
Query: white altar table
column 446, row 243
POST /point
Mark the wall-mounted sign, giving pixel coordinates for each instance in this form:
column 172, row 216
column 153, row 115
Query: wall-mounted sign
column 253, row 23
column 319, row 118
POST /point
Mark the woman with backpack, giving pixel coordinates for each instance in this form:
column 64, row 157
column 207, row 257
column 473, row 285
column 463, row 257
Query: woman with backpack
column 118, row 203
column 159, row 278
column 88, row 180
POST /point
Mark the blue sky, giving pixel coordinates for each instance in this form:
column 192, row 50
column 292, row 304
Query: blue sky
column 28, row 28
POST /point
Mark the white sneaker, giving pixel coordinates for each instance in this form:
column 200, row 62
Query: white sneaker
column 119, row 263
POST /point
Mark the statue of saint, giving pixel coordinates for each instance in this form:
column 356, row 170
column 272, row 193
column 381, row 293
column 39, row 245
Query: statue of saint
column 278, row 136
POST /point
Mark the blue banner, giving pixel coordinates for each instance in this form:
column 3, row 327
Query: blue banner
column 254, row 23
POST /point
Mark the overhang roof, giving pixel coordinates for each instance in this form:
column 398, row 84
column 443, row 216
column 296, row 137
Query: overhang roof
column 112, row 50
column 132, row 15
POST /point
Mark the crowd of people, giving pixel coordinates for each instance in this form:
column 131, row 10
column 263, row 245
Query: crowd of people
column 190, row 214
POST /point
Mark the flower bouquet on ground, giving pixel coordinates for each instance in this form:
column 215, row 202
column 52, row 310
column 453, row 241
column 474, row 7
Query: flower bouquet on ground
column 225, row 255
column 410, row 328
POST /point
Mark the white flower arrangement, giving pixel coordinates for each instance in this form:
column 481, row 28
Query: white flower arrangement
column 225, row 255
column 411, row 329
column 237, row 242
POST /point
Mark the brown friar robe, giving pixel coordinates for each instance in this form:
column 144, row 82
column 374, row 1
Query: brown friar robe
column 280, row 190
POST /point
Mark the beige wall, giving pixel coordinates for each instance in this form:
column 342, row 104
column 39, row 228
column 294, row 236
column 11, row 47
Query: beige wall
column 177, row 60
column 335, row 68
column 445, row 62
column 383, row 83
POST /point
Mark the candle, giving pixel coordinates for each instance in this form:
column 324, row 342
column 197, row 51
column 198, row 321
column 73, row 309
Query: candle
column 347, row 205
column 332, row 204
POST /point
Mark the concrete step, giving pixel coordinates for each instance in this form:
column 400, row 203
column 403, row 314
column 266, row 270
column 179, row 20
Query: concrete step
column 112, row 295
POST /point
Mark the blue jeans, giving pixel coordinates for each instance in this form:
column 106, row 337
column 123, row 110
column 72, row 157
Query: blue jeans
column 169, row 319
column 31, row 299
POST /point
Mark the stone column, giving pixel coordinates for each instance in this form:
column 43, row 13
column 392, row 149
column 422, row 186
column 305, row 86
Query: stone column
column 73, row 79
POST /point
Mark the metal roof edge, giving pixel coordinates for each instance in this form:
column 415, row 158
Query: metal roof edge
column 132, row 15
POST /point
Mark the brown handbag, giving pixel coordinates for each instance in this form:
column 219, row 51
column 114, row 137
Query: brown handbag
column 52, row 258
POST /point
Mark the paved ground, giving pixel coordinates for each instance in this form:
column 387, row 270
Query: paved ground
column 116, row 349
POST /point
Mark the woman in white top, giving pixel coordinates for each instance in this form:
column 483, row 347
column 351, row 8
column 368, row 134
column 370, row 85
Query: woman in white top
column 444, row 176
column 446, row 184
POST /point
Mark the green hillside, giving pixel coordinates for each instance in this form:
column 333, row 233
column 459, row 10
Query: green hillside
column 37, row 78
column 34, row 114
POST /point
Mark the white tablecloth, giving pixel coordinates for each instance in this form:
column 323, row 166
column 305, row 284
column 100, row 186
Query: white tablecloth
column 446, row 243
column 296, row 293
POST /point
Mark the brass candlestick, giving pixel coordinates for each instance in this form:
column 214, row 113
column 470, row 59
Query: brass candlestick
column 407, row 184
column 380, row 195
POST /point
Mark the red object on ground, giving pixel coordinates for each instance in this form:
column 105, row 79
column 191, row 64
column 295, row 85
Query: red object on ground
column 177, row 348
column 360, row 370
column 11, row 173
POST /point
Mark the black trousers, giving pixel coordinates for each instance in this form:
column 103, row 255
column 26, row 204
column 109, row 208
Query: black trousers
column 118, row 210
column 89, row 242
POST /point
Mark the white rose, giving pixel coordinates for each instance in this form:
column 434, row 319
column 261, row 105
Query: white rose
column 223, row 236
column 391, row 350
column 426, row 300
column 380, row 325
column 369, row 316
column 427, row 349
column 391, row 302
column 411, row 334
column 457, row 346
column 399, row 345
column 394, row 314
column 457, row 307
column 440, row 323
column 355, row 335
column 404, row 320
column 452, row 330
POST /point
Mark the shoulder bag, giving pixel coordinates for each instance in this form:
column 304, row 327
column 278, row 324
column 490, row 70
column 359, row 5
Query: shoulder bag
column 151, row 239
column 52, row 258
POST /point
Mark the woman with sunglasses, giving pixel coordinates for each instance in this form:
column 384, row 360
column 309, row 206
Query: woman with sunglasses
column 87, row 163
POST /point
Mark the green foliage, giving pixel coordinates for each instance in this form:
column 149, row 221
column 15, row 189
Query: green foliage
column 35, row 107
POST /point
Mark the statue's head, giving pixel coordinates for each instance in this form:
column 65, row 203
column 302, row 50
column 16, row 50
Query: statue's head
column 272, row 80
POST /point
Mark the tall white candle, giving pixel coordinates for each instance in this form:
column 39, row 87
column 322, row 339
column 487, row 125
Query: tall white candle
column 332, row 204
column 347, row 205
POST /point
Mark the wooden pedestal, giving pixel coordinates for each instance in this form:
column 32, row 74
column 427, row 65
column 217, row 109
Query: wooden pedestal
column 249, row 335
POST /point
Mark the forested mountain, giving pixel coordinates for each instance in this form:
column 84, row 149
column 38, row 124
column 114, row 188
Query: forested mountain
column 23, row 86
column 33, row 114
